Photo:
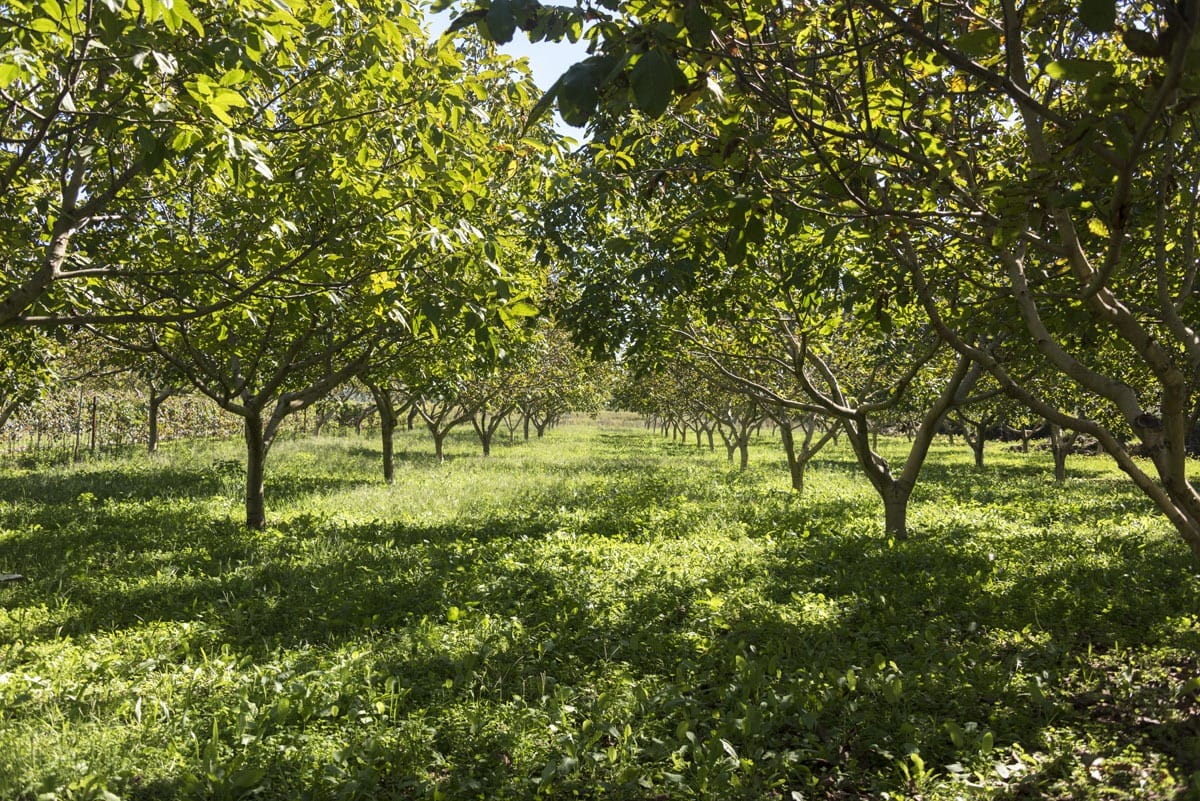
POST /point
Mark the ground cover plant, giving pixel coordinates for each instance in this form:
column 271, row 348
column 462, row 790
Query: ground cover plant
column 602, row 613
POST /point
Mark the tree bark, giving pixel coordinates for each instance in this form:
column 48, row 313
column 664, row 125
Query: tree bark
column 895, row 510
column 256, row 457
column 977, row 445
column 795, row 466
column 1059, row 448
column 156, row 401
column 388, row 421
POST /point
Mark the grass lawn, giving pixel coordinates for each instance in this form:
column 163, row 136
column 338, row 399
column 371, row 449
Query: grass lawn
column 598, row 614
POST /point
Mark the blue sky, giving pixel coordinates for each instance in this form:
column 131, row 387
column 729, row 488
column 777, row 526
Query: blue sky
column 547, row 60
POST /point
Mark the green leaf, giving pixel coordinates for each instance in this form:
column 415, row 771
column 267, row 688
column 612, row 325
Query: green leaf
column 543, row 104
column 652, row 82
column 981, row 42
column 247, row 777
column 500, row 22
column 1077, row 69
column 467, row 20
column 578, row 92
column 8, row 74
column 1098, row 16
column 698, row 23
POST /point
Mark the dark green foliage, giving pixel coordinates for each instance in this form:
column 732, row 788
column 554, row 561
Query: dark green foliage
column 599, row 614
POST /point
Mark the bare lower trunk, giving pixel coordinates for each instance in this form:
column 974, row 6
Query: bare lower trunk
column 977, row 446
column 795, row 465
column 387, row 439
column 389, row 420
column 156, row 400
column 895, row 511
column 744, row 450
column 1058, row 447
column 256, row 457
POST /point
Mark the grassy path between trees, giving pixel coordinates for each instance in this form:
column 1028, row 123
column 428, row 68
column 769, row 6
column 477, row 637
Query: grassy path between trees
column 599, row 614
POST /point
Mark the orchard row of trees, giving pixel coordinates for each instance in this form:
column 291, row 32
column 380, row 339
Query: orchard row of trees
column 844, row 208
column 100, row 396
column 695, row 393
column 850, row 207
column 257, row 202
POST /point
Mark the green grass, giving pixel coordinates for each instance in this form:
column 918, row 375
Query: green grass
column 599, row 614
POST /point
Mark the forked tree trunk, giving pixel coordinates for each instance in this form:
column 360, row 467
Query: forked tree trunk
column 893, row 490
column 798, row 458
column 1059, row 445
column 978, row 443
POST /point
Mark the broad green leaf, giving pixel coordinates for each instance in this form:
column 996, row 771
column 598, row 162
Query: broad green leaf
column 579, row 91
column 1077, row 69
column 1098, row 16
column 8, row 74
column 467, row 20
column 500, row 22
column 982, row 42
column 543, row 104
column 652, row 82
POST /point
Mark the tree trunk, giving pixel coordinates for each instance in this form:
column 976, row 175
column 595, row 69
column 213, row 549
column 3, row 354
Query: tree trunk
column 895, row 510
column 795, row 465
column 977, row 445
column 92, row 441
column 541, row 429
column 256, row 457
column 1060, row 446
column 525, row 425
column 387, row 440
column 744, row 449
column 389, row 420
column 711, row 447
column 156, row 401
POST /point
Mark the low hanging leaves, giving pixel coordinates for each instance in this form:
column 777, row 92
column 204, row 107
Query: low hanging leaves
column 652, row 82
column 1098, row 16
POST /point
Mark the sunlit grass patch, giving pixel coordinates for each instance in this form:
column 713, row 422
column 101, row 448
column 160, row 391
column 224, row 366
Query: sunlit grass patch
column 600, row 613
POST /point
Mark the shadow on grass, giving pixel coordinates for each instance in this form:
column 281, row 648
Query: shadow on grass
column 790, row 657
